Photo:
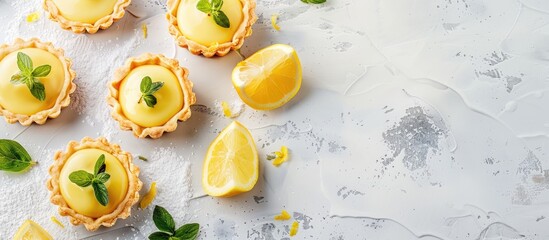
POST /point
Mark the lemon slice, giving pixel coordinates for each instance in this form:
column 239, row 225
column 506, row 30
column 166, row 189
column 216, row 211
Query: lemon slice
column 31, row 231
column 269, row 78
column 231, row 165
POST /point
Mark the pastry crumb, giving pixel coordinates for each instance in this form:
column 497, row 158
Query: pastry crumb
column 32, row 17
column 56, row 221
column 283, row 216
column 274, row 18
column 294, row 228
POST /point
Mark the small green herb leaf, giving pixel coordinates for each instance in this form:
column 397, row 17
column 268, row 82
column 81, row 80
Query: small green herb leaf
column 101, row 193
column 159, row 236
column 148, row 88
column 216, row 5
column 163, row 220
column 221, row 19
column 37, row 90
column 155, row 87
column 102, row 177
column 314, row 1
column 143, row 158
column 97, row 180
column 24, row 63
column 41, row 71
column 100, row 165
column 81, row 178
column 146, row 84
column 18, row 78
column 204, row 6
column 28, row 76
column 150, row 100
column 188, row 231
column 13, row 157
column 271, row 156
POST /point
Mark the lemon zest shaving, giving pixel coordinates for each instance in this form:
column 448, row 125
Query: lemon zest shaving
column 283, row 216
column 281, row 156
column 56, row 221
column 149, row 197
column 294, row 228
column 274, row 18
column 32, row 17
column 226, row 109
column 144, row 29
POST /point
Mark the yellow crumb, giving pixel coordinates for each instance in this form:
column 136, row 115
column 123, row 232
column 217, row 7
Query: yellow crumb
column 149, row 197
column 33, row 17
column 274, row 17
column 226, row 109
column 56, row 221
column 144, row 29
column 283, row 216
column 294, row 228
column 281, row 156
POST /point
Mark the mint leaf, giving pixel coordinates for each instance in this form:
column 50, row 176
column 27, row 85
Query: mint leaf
column 216, row 5
column 102, row 177
column 148, row 88
column 24, row 63
column 81, row 178
column 101, row 193
column 150, row 100
column 204, row 6
column 155, row 87
column 28, row 76
column 188, row 231
column 221, row 19
column 159, row 236
column 37, row 90
column 146, row 83
column 100, row 165
column 18, row 78
column 314, row 1
column 41, row 71
column 13, row 157
column 163, row 220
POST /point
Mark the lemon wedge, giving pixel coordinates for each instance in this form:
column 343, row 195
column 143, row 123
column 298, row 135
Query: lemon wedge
column 31, row 231
column 269, row 78
column 231, row 165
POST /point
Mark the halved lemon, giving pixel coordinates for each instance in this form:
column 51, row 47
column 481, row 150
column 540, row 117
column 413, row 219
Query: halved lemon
column 269, row 78
column 31, row 231
column 231, row 165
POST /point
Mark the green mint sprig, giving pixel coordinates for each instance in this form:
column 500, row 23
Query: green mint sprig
column 13, row 156
column 213, row 8
column 27, row 75
column 314, row 1
column 148, row 88
column 97, row 180
column 165, row 223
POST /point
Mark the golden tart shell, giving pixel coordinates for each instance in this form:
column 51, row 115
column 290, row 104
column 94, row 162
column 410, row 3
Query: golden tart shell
column 53, row 13
column 221, row 49
column 189, row 98
column 63, row 100
column 123, row 210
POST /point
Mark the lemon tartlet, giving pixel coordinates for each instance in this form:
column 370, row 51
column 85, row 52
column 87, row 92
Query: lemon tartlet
column 197, row 30
column 85, row 15
column 18, row 100
column 172, row 100
column 80, row 203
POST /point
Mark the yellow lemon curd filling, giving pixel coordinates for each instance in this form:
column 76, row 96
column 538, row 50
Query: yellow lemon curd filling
column 169, row 97
column 85, row 11
column 17, row 98
column 82, row 199
column 201, row 28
